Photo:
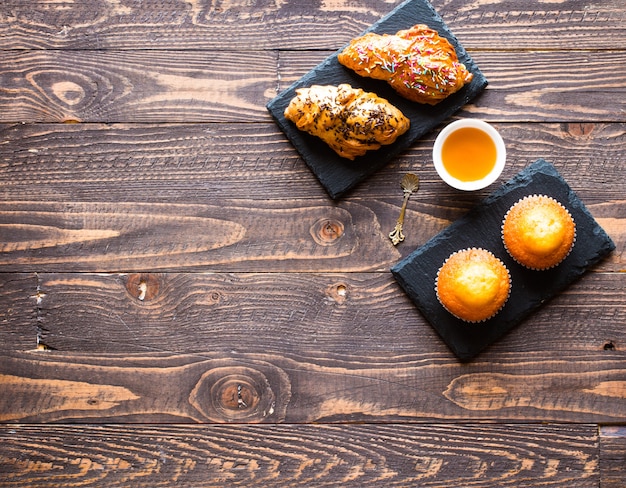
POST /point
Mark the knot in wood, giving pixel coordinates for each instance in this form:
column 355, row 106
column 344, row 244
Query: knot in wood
column 215, row 296
column 234, row 394
column 609, row 346
column 338, row 292
column 143, row 286
column 327, row 232
column 238, row 395
column 580, row 131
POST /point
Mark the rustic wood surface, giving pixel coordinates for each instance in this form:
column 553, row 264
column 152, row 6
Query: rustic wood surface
column 181, row 304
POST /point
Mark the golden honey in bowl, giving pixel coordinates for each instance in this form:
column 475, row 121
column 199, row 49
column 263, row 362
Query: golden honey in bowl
column 469, row 154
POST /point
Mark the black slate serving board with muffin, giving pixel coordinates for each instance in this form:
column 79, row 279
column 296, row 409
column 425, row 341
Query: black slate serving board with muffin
column 338, row 175
column 481, row 227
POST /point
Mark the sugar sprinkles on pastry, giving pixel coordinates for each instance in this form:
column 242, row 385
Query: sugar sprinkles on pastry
column 418, row 63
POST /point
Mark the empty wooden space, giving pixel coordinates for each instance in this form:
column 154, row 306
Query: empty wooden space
column 182, row 304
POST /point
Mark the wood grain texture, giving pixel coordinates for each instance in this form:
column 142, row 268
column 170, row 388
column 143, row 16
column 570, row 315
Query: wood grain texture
column 202, row 236
column 571, row 24
column 109, row 86
column 180, row 86
column 19, row 324
column 359, row 311
column 612, row 456
column 132, row 237
column 103, row 24
column 190, row 163
column 201, row 24
column 218, row 386
column 388, row 455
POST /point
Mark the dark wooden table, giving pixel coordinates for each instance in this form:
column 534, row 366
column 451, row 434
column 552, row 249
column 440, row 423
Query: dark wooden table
column 181, row 303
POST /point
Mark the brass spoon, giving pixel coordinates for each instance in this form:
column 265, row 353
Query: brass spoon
column 410, row 183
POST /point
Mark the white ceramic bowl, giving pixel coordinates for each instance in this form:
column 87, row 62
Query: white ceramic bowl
column 487, row 180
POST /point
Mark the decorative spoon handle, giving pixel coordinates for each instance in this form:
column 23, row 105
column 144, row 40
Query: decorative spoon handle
column 410, row 184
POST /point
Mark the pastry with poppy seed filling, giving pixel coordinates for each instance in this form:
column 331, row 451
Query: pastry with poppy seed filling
column 350, row 120
column 418, row 63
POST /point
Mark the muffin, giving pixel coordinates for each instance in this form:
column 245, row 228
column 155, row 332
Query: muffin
column 473, row 284
column 538, row 232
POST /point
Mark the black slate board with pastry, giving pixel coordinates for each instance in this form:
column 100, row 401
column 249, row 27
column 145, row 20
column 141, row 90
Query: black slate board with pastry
column 482, row 228
column 338, row 174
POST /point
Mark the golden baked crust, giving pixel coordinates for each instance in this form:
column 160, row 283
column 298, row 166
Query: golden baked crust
column 538, row 232
column 350, row 120
column 418, row 63
column 473, row 284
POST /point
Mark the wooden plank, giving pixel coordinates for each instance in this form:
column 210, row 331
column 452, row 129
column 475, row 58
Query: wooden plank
column 179, row 86
column 527, row 25
column 456, row 456
column 249, row 236
column 232, row 385
column 175, row 163
column 198, row 25
column 365, row 311
column 191, row 163
column 139, row 86
column 222, row 235
column 524, row 86
column 296, row 25
column 19, row 318
column 612, row 456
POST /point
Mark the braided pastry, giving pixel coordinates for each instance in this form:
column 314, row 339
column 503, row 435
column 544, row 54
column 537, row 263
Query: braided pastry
column 418, row 63
column 350, row 120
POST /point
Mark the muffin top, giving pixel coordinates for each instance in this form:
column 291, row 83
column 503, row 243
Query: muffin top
column 473, row 284
column 538, row 232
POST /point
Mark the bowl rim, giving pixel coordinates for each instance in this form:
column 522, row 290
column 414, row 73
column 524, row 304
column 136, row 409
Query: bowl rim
column 488, row 179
